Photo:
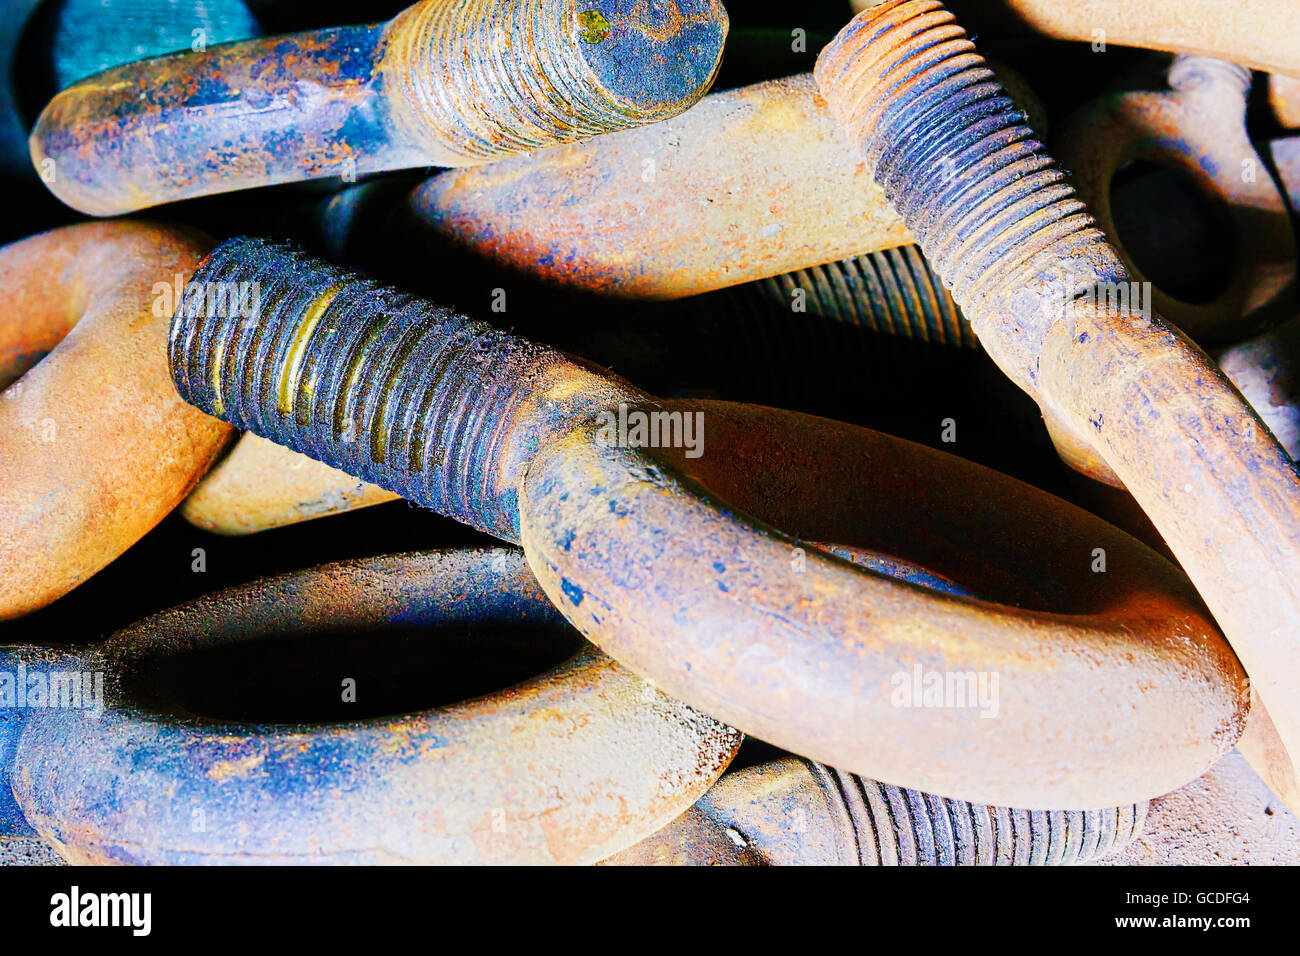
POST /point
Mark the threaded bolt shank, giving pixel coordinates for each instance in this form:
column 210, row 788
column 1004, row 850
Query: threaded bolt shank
column 893, row 292
column 385, row 386
column 894, row 826
column 990, row 208
column 995, row 217
column 487, row 78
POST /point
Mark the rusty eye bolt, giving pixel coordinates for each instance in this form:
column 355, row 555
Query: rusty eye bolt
column 584, row 758
column 995, row 216
column 674, row 565
column 445, row 83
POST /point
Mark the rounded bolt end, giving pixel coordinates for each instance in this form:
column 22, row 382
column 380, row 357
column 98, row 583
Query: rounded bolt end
column 657, row 61
column 475, row 81
column 55, row 146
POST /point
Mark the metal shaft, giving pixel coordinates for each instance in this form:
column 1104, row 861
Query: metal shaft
column 995, row 217
column 1259, row 34
column 680, row 566
column 446, row 83
column 390, row 388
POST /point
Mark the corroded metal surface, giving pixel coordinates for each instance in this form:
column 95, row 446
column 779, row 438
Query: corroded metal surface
column 768, row 646
column 95, row 445
column 1262, row 34
column 445, row 83
column 1017, row 248
column 393, row 389
column 261, row 485
column 1266, row 369
column 1225, row 818
column 795, row 812
column 955, row 641
column 566, row 767
column 1262, row 367
column 674, row 565
column 1198, row 129
column 13, row 822
column 253, row 113
column 1267, row 752
column 893, row 291
column 543, row 72
column 25, row 851
column 748, row 184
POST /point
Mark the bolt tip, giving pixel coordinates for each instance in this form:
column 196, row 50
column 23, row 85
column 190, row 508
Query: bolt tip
column 658, row 60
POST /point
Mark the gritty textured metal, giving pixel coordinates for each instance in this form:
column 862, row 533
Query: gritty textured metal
column 1198, row 128
column 1016, row 247
column 446, row 83
column 379, row 383
column 1228, row 817
column 894, row 292
column 95, row 446
column 675, row 566
column 795, row 812
column 954, row 155
column 898, row 827
column 541, row 72
column 24, row 851
column 1260, row 34
column 747, row 184
column 567, row 767
column 260, row 485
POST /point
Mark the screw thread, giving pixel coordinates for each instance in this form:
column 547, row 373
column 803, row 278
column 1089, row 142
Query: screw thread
column 895, row 826
column 378, row 383
column 746, row 346
column 489, row 78
column 894, row 292
column 991, row 210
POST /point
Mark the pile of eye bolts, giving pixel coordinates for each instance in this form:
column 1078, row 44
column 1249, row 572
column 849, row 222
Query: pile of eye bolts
column 591, row 431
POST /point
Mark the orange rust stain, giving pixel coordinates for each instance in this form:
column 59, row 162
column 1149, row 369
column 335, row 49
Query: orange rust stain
column 227, row 769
